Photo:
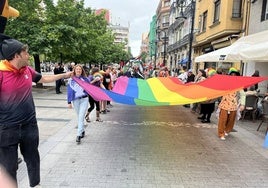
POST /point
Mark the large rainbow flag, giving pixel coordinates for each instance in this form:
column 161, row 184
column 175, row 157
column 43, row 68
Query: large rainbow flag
column 169, row 91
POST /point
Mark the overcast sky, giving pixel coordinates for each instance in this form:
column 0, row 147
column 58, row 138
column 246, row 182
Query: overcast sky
column 137, row 13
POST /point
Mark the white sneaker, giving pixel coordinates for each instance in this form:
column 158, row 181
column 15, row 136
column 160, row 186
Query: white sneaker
column 222, row 138
column 226, row 134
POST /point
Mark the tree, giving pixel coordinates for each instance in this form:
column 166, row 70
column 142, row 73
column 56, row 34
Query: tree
column 64, row 32
column 27, row 28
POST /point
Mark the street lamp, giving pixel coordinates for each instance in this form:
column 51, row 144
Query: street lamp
column 164, row 40
column 182, row 4
column 153, row 45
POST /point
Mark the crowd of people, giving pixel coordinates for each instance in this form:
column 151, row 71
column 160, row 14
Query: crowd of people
column 227, row 106
column 18, row 123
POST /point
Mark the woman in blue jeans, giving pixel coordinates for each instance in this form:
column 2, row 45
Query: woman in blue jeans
column 78, row 99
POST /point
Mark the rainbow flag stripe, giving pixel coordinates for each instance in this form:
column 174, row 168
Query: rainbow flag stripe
column 169, row 91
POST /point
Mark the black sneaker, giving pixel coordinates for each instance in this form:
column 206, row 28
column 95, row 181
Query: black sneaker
column 78, row 139
column 83, row 134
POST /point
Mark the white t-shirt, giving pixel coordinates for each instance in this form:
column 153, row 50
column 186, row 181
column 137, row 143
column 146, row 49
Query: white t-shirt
column 183, row 77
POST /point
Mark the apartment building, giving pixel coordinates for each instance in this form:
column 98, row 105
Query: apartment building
column 144, row 43
column 195, row 27
column 106, row 12
column 121, row 33
column 181, row 33
column 219, row 23
column 162, row 25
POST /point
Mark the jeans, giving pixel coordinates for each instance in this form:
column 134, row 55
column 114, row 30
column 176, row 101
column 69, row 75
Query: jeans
column 80, row 106
column 26, row 136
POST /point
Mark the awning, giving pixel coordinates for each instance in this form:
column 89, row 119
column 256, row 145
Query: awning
column 227, row 54
column 256, row 53
column 249, row 48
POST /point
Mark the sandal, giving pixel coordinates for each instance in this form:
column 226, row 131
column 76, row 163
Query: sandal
column 87, row 117
column 99, row 119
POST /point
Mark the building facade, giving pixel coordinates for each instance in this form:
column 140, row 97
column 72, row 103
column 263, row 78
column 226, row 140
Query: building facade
column 181, row 33
column 162, row 25
column 121, row 33
column 144, row 43
column 106, row 12
column 153, row 41
column 219, row 23
column 190, row 28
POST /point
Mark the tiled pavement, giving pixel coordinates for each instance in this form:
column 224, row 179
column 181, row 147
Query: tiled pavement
column 145, row 153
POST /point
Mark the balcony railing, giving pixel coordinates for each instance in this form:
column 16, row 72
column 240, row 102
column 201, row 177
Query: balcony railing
column 166, row 24
column 184, row 41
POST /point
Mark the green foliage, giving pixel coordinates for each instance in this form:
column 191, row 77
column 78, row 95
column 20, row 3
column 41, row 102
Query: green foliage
column 66, row 31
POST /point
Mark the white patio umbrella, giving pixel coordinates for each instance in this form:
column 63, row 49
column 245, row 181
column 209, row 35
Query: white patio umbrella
column 249, row 48
column 227, row 54
column 256, row 53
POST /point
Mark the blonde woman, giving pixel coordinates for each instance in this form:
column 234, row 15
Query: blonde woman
column 78, row 99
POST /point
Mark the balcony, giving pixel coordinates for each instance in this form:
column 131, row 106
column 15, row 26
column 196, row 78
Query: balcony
column 165, row 25
column 183, row 42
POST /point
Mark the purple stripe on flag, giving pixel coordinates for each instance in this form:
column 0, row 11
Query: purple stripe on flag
column 95, row 92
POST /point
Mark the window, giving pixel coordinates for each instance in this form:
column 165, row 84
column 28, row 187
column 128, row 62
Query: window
column 237, row 6
column 162, row 35
column 199, row 22
column 166, row 4
column 264, row 14
column 217, row 10
column 204, row 24
column 165, row 21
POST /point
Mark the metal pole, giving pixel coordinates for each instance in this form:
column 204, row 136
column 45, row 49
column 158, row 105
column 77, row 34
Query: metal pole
column 165, row 39
column 155, row 51
column 151, row 50
column 191, row 35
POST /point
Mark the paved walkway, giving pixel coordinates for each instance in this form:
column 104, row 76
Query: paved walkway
column 145, row 153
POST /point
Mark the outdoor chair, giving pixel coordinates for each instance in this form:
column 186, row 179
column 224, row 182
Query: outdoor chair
column 264, row 115
column 251, row 106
